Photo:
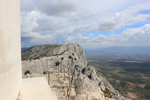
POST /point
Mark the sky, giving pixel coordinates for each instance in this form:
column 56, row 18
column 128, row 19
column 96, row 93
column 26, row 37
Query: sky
column 90, row 23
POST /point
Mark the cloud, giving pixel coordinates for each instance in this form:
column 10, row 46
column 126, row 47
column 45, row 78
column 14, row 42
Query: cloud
column 100, row 39
column 27, row 5
column 28, row 22
column 129, row 37
column 62, row 22
column 45, row 26
column 59, row 7
column 52, row 7
column 136, row 34
column 109, row 24
column 124, row 18
column 110, row 5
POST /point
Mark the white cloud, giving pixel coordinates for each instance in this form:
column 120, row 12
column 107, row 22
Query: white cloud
column 128, row 16
column 100, row 39
column 28, row 22
column 27, row 5
column 130, row 37
column 57, row 21
column 52, row 7
column 136, row 34
column 110, row 5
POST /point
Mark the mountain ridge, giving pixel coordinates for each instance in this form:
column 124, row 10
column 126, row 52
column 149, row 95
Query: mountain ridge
column 35, row 60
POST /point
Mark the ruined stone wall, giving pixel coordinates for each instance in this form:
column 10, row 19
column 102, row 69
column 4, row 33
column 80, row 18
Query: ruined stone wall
column 10, row 53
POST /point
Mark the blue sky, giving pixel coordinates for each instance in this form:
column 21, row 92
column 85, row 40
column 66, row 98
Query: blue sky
column 90, row 23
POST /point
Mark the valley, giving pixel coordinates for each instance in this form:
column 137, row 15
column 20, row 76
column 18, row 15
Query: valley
column 129, row 76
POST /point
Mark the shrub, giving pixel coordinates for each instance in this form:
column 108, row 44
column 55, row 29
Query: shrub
column 44, row 72
column 30, row 60
column 75, row 59
column 83, row 70
column 107, row 93
column 62, row 58
column 27, row 72
column 70, row 57
column 90, row 76
column 147, row 87
column 57, row 63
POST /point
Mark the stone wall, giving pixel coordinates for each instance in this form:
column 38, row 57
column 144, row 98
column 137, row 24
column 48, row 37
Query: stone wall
column 10, row 53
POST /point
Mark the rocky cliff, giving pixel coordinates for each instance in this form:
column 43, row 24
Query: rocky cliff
column 39, row 59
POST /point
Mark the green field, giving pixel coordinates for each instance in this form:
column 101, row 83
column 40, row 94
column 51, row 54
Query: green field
column 126, row 76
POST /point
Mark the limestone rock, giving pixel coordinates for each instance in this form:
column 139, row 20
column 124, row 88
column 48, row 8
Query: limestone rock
column 85, row 86
column 40, row 59
column 79, row 97
column 28, row 76
column 101, row 84
column 73, row 92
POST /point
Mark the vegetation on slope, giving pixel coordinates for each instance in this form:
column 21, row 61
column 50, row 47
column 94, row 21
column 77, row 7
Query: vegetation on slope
column 126, row 76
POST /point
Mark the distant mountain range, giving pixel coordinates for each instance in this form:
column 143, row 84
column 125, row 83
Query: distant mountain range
column 119, row 49
column 135, row 53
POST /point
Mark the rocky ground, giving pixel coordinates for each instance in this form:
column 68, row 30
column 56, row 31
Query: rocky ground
column 81, row 88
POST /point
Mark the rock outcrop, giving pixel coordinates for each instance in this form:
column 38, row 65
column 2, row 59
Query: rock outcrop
column 39, row 59
column 88, row 88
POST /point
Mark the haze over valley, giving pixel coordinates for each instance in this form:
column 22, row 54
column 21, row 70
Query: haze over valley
column 127, row 69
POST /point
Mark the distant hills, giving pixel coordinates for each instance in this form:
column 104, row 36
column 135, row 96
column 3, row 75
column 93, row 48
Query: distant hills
column 132, row 53
column 119, row 49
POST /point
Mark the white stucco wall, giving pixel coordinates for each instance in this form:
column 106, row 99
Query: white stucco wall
column 10, row 53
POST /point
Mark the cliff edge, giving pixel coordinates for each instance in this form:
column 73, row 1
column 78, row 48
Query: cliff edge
column 39, row 59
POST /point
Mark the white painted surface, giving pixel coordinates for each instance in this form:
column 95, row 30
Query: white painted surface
column 36, row 89
column 10, row 53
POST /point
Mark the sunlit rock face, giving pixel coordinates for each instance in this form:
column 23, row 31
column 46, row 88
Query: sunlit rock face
column 39, row 59
column 35, row 58
column 84, row 86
